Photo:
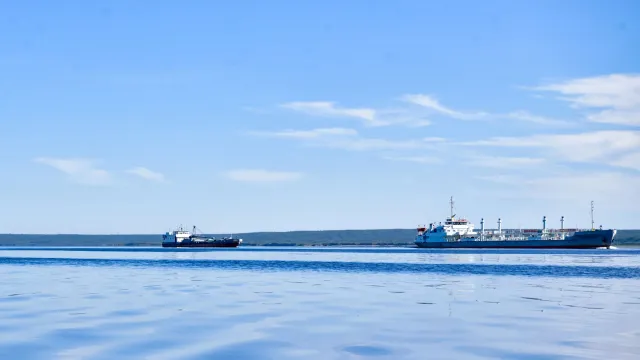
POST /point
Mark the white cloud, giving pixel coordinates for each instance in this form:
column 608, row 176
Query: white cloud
column 573, row 186
column 500, row 178
column 615, row 98
column 542, row 120
column 505, row 162
column 309, row 134
column 147, row 174
column 78, row 170
column 369, row 116
column 415, row 159
column 370, row 144
column 615, row 90
column 631, row 161
column 261, row 175
column 407, row 117
column 430, row 102
column 620, row 117
column 606, row 147
column 348, row 139
column 564, row 191
column 328, row 108
column 434, row 139
column 411, row 117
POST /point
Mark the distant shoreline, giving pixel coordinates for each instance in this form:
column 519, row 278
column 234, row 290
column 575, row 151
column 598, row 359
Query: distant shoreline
column 310, row 238
column 406, row 246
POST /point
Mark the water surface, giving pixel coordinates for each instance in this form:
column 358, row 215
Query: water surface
column 329, row 303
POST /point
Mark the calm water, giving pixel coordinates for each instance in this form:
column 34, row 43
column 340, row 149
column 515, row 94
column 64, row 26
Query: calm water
column 292, row 303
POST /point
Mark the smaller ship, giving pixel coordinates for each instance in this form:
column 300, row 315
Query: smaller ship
column 460, row 233
column 183, row 238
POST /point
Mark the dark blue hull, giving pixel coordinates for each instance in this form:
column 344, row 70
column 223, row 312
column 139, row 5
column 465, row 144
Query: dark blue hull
column 580, row 240
column 203, row 244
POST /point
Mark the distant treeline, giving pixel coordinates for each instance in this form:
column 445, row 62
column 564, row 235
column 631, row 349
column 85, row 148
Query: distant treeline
column 391, row 237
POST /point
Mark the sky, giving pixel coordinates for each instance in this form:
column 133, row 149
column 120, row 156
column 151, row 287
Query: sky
column 138, row 116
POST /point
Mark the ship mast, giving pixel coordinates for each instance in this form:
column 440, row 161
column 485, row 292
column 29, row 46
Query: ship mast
column 592, row 215
column 451, row 203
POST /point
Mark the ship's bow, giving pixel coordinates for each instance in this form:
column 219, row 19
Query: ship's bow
column 610, row 236
column 594, row 238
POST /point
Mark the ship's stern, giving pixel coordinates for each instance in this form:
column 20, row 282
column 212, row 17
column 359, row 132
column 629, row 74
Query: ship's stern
column 420, row 236
column 419, row 240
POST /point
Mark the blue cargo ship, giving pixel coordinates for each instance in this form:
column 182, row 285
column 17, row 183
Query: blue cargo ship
column 460, row 233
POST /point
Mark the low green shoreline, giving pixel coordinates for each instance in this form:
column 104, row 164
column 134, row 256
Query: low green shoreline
column 377, row 238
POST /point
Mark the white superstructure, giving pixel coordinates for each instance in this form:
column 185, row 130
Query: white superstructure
column 453, row 229
column 177, row 236
column 461, row 229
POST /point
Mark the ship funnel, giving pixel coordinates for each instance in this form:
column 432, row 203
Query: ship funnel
column 482, row 226
column 499, row 226
column 544, row 223
column 562, row 223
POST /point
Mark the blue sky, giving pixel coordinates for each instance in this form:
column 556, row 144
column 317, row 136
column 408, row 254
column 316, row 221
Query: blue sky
column 133, row 117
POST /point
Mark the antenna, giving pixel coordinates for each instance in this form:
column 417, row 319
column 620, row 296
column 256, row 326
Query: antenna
column 592, row 215
column 451, row 203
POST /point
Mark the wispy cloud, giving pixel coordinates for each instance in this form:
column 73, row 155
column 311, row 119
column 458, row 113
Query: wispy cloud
column 614, row 90
column 371, row 144
column 579, row 186
column 610, row 99
column 329, row 108
column 536, row 119
column 605, row 147
column 505, row 162
column 614, row 99
column 432, row 103
column 79, row 170
column 631, row 161
column 147, row 174
column 414, row 116
column 347, row 139
column 415, row 159
column 368, row 116
column 434, row 139
column 500, row 178
column 584, row 186
column 261, row 175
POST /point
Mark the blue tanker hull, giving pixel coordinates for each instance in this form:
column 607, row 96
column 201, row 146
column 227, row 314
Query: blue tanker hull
column 580, row 240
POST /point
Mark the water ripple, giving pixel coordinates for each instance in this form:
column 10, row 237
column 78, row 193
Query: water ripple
column 348, row 305
column 619, row 272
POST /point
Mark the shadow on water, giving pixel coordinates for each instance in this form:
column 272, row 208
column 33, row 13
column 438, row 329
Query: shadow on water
column 620, row 272
column 365, row 350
